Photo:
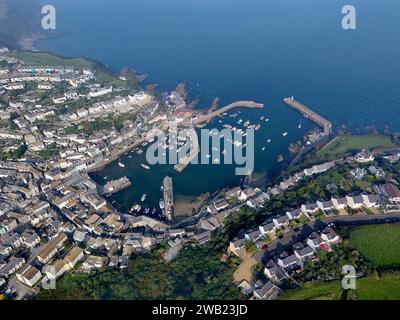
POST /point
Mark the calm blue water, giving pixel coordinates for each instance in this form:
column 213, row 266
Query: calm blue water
column 260, row 50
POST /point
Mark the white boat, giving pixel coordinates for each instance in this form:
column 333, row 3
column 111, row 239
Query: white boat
column 224, row 152
column 145, row 166
column 266, row 120
column 105, row 178
column 262, row 118
column 161, row 204
column 284, row 134
column 208, row 156
column 263, row 148
column 144, row 196
column 299, row 125
column 121, row 164
column 269, row 140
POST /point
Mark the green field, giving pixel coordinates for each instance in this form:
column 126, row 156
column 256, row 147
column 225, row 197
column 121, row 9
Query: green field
column 385, row 288
column 380, row 244
column 342, row 146
column 314, row 291
column 46, row 59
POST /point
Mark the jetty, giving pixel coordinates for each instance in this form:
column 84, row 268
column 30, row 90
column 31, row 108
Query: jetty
column 194, row 150
column 308, row 113
column 205, row 118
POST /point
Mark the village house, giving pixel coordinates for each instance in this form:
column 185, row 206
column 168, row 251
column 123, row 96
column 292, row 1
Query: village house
column 364, row 157
column 267, row 292
column 29, row 275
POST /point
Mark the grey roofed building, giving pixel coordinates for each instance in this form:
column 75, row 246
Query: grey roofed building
column 325, row 205
column 314, row 240
column 358, row 200
column 281, row 220
column 253, row 236
column 329, row 233
column 287, row 261
column 264, row 291
column 80, row 235
column 342, row 201
column 274, row 272
column 267, row 227
column 294, row 214
column 238, row 244
column 309, row 207
column 305, row 252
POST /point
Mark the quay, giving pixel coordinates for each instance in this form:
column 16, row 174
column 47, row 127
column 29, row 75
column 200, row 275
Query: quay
column 307, row 112
column 194, row 150
column 168, row 195
column 116, row 185
column 206, row 118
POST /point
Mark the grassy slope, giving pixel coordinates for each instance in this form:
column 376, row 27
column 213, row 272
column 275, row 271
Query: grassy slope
column 378, row 243
column 345, row 145
column 386, row 288
column 46, row 59
column 314, row 291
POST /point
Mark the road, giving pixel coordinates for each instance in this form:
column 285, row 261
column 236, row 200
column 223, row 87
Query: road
column 290, row 238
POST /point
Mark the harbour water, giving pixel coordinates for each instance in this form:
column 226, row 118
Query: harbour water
column 243, row 50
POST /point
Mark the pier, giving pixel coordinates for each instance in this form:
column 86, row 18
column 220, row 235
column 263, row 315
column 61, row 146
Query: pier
column 194, row 150
column 205, row 118
column 307, row 112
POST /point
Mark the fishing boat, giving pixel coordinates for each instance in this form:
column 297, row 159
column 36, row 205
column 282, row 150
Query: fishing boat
column 121, row 164
column 284, row 134
column 144, row 196
column 145, row 166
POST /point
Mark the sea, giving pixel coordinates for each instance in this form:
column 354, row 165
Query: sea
column 260, row 50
